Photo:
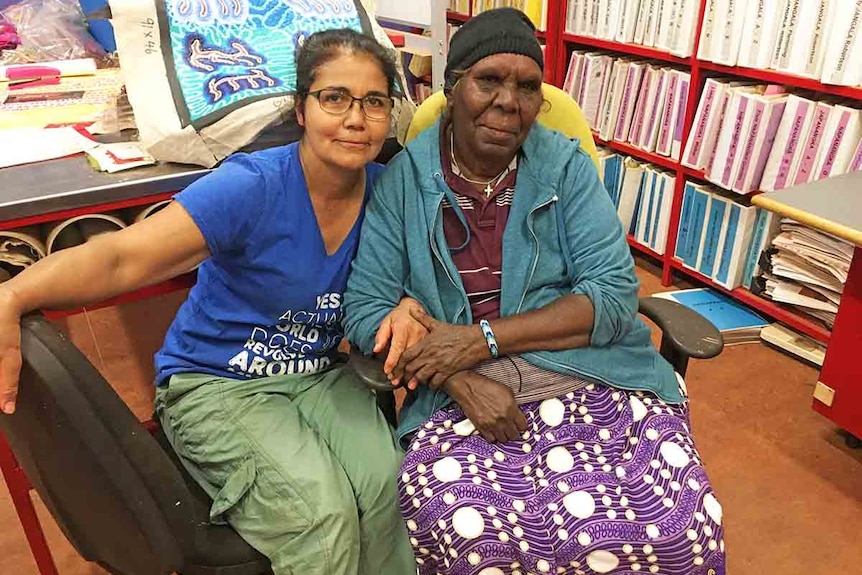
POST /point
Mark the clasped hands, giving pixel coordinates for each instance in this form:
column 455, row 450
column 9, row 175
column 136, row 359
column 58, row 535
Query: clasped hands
column 426, row 351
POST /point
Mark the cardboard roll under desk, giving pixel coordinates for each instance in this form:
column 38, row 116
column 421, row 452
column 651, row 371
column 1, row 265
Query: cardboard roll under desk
column 834, row 206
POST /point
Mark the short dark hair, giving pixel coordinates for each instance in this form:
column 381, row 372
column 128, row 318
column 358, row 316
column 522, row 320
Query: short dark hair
column 321, row 47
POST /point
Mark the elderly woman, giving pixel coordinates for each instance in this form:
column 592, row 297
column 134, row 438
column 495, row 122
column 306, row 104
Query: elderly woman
column 546, row 435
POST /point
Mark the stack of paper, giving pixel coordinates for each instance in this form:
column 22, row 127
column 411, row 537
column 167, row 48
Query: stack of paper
column 806, row 269
column 98, row 98
column 113, row 158
column 796, row 344
column 18, row 249
column 27, row 145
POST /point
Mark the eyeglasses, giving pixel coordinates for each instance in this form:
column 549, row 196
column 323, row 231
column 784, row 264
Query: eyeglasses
column 337, row 102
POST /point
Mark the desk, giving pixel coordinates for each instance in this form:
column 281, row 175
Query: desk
column 53, row 191
column 834, row 206
column 46, row 191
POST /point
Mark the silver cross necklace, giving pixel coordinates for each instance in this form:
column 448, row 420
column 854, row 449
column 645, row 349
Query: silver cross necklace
column 489, row 185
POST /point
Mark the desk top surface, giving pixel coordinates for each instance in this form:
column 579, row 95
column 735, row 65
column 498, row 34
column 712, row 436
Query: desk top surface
column 833, row 205
column 69, row 183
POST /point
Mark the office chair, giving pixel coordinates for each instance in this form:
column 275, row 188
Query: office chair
column 119, row 494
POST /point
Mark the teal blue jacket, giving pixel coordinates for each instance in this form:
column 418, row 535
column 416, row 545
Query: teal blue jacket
column 562, row 236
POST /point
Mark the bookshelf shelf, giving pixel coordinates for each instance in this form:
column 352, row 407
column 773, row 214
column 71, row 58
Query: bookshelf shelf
column 457, row 17
column 785, row 79
column 776, row 311
column 692, row 173
column 644, row 249
column 628, row 149
column 630, row 49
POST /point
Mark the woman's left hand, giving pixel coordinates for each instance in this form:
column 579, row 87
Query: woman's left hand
column 446, row 350
column 397, row 332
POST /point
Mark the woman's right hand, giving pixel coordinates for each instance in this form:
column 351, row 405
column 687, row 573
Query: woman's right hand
column 491, row 406
column 10, row 350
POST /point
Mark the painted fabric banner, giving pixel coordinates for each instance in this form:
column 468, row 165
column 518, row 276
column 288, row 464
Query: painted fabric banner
column 206, row 77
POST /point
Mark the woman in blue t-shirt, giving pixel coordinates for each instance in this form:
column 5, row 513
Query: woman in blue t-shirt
column 289, row 445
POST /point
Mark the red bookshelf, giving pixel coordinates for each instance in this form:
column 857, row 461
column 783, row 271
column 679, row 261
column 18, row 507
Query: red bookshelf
column 699, row 70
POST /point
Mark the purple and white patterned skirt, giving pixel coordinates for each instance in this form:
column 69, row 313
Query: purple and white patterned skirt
column 604, row 481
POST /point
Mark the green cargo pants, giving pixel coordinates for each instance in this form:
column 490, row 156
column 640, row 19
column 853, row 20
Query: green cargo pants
column 304, row 467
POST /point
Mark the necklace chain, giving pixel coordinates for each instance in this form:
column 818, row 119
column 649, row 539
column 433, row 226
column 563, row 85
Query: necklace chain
column 489, row 188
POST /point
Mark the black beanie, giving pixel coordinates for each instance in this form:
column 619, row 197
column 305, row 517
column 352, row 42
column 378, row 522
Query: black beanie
column 497, row 31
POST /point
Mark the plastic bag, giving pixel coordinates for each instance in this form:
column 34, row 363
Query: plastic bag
column 50, row 30
column 9, row 39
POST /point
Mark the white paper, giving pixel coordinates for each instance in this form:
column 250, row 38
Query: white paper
column 27, row 145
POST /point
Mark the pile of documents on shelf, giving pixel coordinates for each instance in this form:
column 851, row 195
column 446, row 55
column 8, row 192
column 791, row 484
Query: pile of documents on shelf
column 806, row 269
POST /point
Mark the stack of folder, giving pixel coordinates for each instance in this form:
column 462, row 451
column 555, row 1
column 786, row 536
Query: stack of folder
column 806, row 269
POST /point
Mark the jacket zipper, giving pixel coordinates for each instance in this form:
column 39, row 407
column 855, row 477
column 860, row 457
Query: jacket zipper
column 437, row 253
column 536, row 242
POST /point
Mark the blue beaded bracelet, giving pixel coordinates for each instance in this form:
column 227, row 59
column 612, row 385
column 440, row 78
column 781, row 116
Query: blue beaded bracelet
column 489, row 337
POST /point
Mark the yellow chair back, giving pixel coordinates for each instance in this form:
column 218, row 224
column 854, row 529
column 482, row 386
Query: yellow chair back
column 562, row 114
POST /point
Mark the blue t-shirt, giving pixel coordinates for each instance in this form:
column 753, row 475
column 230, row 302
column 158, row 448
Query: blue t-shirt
column 268, row 301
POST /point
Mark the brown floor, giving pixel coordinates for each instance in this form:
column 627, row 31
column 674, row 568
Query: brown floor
column 791, row 491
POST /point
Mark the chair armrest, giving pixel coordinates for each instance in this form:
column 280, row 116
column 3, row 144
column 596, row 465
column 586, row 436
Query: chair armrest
column 369, row 370
column 685, row 333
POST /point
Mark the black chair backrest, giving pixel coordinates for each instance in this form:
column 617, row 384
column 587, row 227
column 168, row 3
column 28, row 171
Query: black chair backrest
column 113, row 491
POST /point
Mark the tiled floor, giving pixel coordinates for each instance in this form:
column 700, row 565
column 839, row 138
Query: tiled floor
column 791, row 491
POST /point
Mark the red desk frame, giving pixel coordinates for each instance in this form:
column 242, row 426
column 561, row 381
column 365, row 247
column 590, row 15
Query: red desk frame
column 842, row 369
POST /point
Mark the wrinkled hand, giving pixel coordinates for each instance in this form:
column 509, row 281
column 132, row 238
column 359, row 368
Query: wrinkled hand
column 399, row 330
column 489, row 405
column 446, row 350
column 10, row 353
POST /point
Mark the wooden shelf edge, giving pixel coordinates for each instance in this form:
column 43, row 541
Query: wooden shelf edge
column 773, row 310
